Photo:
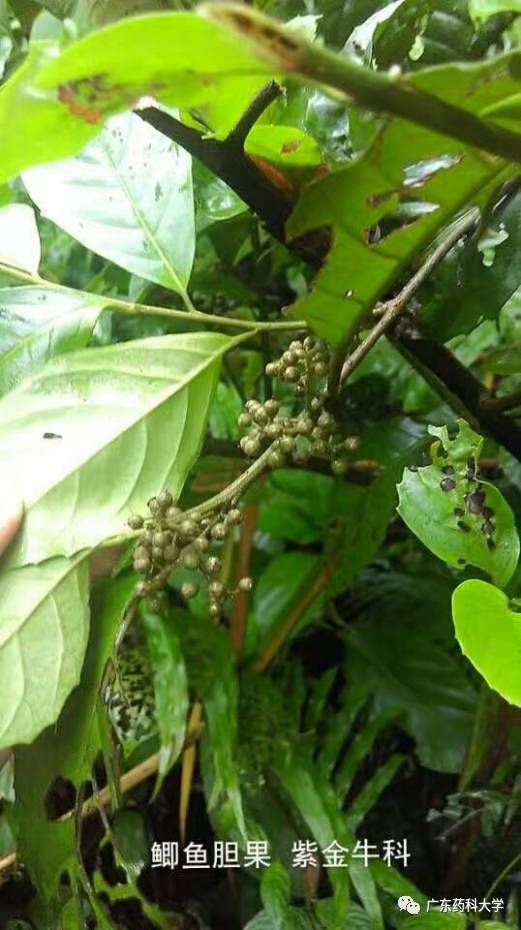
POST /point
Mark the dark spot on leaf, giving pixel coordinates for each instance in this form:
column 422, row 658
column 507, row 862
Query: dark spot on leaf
column 488, row 528
column 464, row 526
column 461, row 562
column 491, row 544
column 471, row 469
column 459, row 512
column 442, row 452
column 376, row 199
column 448, row 470
column 488, row 512
column 475, row 501
column 448, row 484
column 289, row 147
column 52, row 436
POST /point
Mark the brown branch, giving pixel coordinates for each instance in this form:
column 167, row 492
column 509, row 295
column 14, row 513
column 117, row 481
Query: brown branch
column 394, row 308
column 319, row 585
column 433, row 361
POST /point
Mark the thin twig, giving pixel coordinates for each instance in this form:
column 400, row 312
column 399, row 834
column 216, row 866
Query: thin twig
column 319, row 585
column 502, row 404
column 239, row 616
column 393, row 308
column 259, row 104
column 134, row 309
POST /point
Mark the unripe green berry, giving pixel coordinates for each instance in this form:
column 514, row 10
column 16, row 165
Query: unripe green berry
column 251, row 447
column 287, row 444
column 352, row 443
column 295, row 346
column 187, row 529
column 316, row 404
column 304, row 425
column 326, row 421
column 339, row 466
column 160, row 539
column 201, row 544
column 291, row 374
column 273, row 430
column 170, row 553
column 251, row 405
column 275, row 459
column 141, row 565
column 173, row 513
column 234, row 516
column 216, row 589
column 290, row 358
column 244, row 420
column 141, row 589
column 215, row 611
column 245, row 584
column 165, row 499
column 320, row 369
column 272, row 369
column 271, row 407
column 189, row 558
column 135, row 521
column 309, row 343
column 219, row 531
column 260, row 416
column 189, row 590
column 153, row 505
column 158, row 553
column 213, row 565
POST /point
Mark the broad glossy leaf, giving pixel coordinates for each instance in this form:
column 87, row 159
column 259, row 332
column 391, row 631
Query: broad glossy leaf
column 180, row 58
column 135, row 410
column 170, row 688
column 128, row 197
column 44, row 626
column 19, row 237
column 67, row 750
column 504, row 361
column 37, row 323
column 461, row 519
column 488, row 629
column 420, row 680
column 467, row 286
column 406, row 167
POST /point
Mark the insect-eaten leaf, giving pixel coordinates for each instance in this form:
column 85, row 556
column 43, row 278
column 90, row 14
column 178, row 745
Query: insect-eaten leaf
column 460, row 518
column 488, row 629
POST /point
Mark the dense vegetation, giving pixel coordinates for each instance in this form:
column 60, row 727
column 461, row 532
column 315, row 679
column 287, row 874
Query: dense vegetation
column 260, row 378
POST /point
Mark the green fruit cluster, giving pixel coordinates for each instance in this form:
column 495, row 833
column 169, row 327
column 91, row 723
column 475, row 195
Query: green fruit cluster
column 314, row 431
column 171, row 538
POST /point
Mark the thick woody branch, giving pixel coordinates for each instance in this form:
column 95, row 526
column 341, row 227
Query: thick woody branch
column 433, row 361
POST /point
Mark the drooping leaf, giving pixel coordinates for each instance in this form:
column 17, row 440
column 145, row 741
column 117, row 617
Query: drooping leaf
column 19, row 237
column 275, row 894
column 136, row 410
column 488, row 629
column 459, row 517
column 170, row 688
column 128, row 197
column 65, row 751
column 37, row 323
column 44, row 626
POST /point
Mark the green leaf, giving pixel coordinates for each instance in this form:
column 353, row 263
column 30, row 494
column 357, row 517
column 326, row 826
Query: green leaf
column 481, row 10
column 170, row 688
column 504, row 361
column 279, row 589
column 421, row 681
column 37, row 323
column 460, row 518
column 136, row 410
column 405, row 165
column 179, row 58
column 44, row 625
column 275, row 893
column 67, row 750
column 488, row 629
column 465, row 289
column 19, row 238
column 128, row 197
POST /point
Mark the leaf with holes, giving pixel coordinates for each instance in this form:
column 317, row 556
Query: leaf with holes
column 108, row 428
column 37, row 323
column 128, row 197
column 44, row 625
column 488, row 629
column 66, row 751
column 459, row 517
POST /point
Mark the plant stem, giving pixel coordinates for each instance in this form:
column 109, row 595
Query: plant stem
column 502, row 404
column 393, row 308
column 381, row 92
column 319, row 585
column 506, row 871
column 259, row 104
column 237, row 488
column 128, row 307
column 239, row 618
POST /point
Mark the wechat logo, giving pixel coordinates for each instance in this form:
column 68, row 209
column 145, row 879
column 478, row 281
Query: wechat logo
column 406, row 903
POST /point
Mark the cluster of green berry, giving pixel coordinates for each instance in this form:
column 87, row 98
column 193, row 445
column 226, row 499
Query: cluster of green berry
column 313, row 432
column 171, row 538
